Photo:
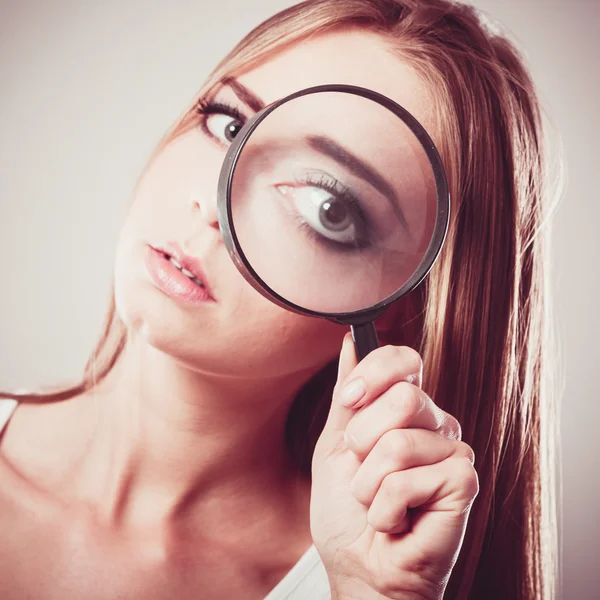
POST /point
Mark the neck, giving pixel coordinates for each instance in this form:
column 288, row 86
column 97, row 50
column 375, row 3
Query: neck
column 170, row 440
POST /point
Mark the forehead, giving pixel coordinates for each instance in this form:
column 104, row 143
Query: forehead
column 353, row 57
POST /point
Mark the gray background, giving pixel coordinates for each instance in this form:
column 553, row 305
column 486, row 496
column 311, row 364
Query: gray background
column 86, row 90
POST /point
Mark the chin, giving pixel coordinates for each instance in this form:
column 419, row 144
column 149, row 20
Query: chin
column 159, row 323
column 236, row 346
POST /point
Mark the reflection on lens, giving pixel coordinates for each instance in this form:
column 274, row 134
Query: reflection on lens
column 334, row 202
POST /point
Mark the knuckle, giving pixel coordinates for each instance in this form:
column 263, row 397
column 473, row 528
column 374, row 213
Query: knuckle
column 412, row 359
column 389, row 360
column 352, row 437
column 376, row 366
column 465, row 450
column 396, row 351
column 383, row 357
column 469, row 481
column 408, row 399
column 378, row 372
column 407, row 355
column 380, row 521
column 450, row 427
column 395, row 486
column 397, row 444
column 383, row 582
column 358, row 489
column 390, row 351
column 456, row 428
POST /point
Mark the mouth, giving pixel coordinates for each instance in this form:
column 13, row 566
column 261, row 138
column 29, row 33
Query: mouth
column 186, row 265
column 183, row 270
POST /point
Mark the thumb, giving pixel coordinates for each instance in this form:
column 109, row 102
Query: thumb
column 340, row 415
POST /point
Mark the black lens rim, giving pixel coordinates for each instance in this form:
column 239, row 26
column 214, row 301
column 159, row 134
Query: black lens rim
column 225, row 217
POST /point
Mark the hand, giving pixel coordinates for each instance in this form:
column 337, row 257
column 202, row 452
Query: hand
column 392, row 484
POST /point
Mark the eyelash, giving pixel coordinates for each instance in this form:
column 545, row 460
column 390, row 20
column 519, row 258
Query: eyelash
column 340, row 192
column 204, row 108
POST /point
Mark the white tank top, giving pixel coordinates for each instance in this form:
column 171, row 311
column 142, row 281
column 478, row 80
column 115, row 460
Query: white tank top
column 306, row 580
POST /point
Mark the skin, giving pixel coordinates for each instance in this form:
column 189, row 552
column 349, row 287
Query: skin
column 170, row 479
column 274, row 185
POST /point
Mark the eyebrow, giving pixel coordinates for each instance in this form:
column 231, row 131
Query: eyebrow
column 244, row 94
column 355, row 165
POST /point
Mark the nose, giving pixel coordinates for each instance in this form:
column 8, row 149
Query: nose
column 205, row 207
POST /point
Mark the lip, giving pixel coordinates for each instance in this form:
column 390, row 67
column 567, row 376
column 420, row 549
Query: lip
column 171, row 280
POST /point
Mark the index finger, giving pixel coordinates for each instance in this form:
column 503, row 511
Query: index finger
column 403, row 406
column 379, row 371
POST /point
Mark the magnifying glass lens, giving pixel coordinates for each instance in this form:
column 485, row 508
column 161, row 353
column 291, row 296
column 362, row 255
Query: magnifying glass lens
column 334, row 202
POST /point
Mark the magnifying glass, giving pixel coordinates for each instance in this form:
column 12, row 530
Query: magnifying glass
column 333, row 202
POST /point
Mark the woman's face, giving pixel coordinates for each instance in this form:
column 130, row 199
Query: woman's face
column 207, row 316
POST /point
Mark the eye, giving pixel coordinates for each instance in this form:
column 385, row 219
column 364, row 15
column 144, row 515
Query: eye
column 223, row 127
column 332, row 217
column 220, row 121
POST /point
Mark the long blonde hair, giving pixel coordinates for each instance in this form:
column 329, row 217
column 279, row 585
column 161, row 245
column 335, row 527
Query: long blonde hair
column 481, row 320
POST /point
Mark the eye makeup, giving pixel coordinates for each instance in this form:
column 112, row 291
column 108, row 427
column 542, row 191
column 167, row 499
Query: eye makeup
column 206, row 108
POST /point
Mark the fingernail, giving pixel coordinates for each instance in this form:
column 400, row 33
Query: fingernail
column 353, row 392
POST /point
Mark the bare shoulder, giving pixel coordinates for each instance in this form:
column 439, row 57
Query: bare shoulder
column 30, row 519
column 37, row 449
column 18, row 492
column 41, row 440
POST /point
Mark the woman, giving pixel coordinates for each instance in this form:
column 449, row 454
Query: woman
column 205, row 452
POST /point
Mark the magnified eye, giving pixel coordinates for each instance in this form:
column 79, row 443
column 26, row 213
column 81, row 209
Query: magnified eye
column 332, row 217
column 335, row 215
column 221, row 121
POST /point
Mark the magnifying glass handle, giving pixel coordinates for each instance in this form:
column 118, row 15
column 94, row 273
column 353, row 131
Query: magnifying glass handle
column 365, row 339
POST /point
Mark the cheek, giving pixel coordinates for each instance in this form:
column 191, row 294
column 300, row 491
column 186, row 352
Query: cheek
column 186, row 169
column 245, row 335
column 278, row 341
column 128, row 274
